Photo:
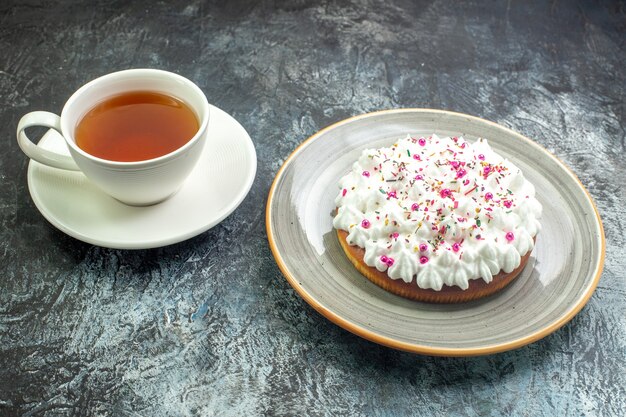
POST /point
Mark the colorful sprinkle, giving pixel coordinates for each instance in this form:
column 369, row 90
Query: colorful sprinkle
column 509, row 236
column 343, row 193
column 461, row 173
column 365, row 224
column 488, row 196
column 481, row 157
column 366, row 174
column 422, row 141
column 456, row 247
column 446, row 192
column 384, row 259
column 507, row 203
column 390, row 261
column 392, row 194
column 469, row 191
column 419, row 177
column 415, row 206
column 423, row 259
column 423, row 247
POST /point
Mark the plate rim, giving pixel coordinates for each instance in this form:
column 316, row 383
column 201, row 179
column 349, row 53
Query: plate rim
column 420, row 348
column 155, row 243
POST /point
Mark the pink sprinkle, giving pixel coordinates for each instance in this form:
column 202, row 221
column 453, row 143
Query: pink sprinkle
column 465, row 182
column 395, row 235
column 488, row 196
column 390, row 261
column 365, row 224
column 392, row 194
column 445, row 193
column 507, row 203
column 423, row 260
column 422, row 141
column 481, row 157
column 510, row 236
column 463, row 145
column 343, row 193
column 456, row 204
column 419, row 177
column 384, row 259
column 461, row 173
column 366, row 174
column 456, row 246
column 486, row 170
column 416, row 157
column 423, row 247
column 455, row 164
column 415, row 206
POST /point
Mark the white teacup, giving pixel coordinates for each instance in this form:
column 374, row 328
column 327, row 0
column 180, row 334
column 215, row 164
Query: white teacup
column 134, row 183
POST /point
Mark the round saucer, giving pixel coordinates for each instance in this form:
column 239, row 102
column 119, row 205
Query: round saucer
column 213, row 190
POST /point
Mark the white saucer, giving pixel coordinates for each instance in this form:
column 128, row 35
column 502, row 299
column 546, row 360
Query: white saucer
column 214, row 189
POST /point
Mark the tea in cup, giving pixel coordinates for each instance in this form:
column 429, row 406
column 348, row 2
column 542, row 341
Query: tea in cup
column 136, row 134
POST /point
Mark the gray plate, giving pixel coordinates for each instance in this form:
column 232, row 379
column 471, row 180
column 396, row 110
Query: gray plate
column 562, row 273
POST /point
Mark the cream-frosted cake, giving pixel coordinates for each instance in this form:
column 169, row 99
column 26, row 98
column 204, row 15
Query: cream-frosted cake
column 437, row 219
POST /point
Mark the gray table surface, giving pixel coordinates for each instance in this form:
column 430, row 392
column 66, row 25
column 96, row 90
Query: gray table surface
column 209, row 326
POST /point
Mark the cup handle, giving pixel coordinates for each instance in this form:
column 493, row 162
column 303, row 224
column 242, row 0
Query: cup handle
column 39, row 154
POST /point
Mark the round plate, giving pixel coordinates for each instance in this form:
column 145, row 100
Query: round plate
column 561, row 275
column 216, row 186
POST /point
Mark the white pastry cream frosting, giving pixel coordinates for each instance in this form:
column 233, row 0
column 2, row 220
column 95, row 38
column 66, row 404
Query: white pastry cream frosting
column 442, row 210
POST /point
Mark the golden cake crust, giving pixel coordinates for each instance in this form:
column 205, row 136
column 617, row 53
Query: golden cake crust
column 478, row 288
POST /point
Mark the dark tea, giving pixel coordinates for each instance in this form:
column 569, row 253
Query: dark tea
column 136, row 126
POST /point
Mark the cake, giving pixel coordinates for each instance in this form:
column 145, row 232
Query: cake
column 437, row 219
